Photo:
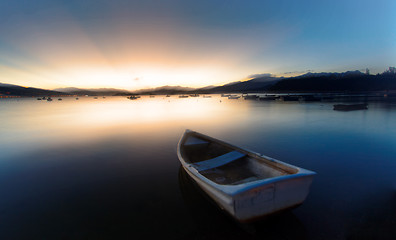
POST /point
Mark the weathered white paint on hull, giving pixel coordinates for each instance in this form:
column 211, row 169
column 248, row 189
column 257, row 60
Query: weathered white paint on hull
column 251, row 200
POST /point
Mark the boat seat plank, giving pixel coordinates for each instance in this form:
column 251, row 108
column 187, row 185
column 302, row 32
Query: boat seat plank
column 218, row 161
column 195, row 141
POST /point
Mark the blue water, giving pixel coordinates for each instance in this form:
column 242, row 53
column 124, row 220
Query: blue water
column 107, row 168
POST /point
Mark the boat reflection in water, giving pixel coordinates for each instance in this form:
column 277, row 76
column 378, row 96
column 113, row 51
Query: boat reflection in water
column 211, row 222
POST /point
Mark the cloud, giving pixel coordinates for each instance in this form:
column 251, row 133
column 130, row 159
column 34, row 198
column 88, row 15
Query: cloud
column 257, row 75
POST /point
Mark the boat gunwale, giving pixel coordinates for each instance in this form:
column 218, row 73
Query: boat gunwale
column 233, row 190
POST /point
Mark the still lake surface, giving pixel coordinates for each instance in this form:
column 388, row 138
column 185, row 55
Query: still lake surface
column 107, row 168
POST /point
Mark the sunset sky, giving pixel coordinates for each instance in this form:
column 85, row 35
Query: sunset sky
column 147, row 43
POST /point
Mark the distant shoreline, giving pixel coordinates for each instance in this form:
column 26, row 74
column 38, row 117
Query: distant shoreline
column 351, row 82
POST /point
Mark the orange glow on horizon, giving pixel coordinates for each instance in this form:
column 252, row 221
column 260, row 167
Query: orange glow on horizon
column 137, row 76
column 147, row 57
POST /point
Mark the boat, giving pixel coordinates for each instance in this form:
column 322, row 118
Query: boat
column 233, row 97
column 59, row 99
column 246, row 185
column 183, row 96
column 249, row 97
column 194, row 95
column 350, row 107
column 133, row 97
column 49, row 99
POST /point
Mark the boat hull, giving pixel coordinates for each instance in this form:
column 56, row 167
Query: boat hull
column 267, row 199
column 251, row 200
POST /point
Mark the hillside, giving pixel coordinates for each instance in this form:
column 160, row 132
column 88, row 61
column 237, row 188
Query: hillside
column 332, row 82
column 14, row 90
column 252, row 85
column 351, row 81
column 93, row 91
column 165, row 90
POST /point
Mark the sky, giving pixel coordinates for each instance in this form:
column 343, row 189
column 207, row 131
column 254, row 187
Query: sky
column 150, row 43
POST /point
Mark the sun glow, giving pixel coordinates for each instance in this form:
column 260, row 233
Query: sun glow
column 67, row 53
column 143, row 76
column 137, row 45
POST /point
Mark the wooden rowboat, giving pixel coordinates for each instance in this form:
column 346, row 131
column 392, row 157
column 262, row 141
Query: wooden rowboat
column 245, row 184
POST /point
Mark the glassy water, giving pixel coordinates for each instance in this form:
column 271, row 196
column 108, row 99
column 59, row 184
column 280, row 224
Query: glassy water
column 107, row 168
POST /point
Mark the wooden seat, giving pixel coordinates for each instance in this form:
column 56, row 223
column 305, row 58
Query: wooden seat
column 218, row 161
column 193, row 141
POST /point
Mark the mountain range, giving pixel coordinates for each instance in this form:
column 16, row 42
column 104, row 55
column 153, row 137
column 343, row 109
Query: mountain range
column 15, row 90
column 351, row 81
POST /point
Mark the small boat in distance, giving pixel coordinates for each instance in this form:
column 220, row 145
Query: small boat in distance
column 59, row 99
column 350, row 107
column 245, row 184
column 233, row 97
column 49, row 99
column 77, row 98
column 133, row 97
column 250, row 97
column 183, row 96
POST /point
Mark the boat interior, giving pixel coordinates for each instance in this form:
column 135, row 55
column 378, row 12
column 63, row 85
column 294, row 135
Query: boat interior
column 228, row 165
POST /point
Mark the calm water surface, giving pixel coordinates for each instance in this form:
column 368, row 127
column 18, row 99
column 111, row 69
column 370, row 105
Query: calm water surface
column 107, row 168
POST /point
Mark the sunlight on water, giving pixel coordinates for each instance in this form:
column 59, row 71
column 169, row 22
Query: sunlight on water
column 32, row 123
column 28, row 123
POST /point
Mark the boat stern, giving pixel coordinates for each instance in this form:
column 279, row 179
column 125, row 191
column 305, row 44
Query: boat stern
column 272, row 197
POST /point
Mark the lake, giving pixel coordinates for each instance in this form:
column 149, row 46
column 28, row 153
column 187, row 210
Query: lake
column 107, row 168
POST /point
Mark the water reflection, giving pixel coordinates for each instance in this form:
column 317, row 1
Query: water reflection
column 30, row 124
column 108, row 167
